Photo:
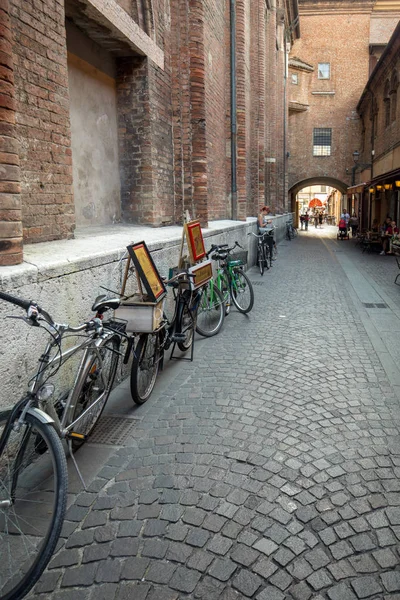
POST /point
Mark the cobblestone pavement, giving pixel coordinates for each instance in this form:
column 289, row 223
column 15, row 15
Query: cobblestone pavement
column 268, row 469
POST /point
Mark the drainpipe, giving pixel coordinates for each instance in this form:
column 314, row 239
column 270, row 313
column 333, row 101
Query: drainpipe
column 285, row 198
column 233, row 112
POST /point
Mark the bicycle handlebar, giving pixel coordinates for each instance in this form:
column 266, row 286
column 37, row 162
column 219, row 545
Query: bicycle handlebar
column 33, row 310
column 224, row 247
column 28, row 305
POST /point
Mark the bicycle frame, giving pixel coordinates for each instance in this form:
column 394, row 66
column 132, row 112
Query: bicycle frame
column 89, row 346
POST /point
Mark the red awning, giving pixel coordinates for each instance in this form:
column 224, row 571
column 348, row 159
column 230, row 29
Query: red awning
column 315, row 202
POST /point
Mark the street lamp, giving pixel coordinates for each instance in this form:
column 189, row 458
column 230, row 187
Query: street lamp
column 357, row 165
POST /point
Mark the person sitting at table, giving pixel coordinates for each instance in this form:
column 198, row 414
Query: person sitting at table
column 387, row 233
column 375, row 226
column 394, row 237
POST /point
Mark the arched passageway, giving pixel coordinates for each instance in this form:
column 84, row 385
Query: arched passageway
column 337, row 189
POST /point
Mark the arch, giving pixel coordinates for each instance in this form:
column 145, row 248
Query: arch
column 317, row 180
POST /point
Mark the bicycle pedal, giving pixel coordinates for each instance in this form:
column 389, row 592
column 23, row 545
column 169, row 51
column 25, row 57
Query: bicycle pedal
column 178, row 337
column 77, row 436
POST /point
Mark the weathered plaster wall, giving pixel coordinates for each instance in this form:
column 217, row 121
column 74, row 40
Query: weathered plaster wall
column 94, row 141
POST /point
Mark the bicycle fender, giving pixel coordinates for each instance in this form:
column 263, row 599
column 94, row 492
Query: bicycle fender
column 41, row 415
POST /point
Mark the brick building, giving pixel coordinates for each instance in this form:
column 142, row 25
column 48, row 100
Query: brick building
column 341, row 42
column 379, row 111
column 134, row 111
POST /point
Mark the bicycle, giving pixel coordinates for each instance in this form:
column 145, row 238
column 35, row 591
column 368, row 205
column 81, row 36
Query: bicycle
column 291, row 231
column 179, row 331
column 33, row 482
column 266, row 249
column 230, row 279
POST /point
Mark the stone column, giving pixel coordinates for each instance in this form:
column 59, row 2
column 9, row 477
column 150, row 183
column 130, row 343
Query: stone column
column 10, row 200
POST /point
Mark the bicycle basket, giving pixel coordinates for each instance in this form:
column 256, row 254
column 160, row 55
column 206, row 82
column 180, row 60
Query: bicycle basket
column 237, row 258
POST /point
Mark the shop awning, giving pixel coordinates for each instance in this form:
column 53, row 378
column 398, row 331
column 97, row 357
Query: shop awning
column 356, row 189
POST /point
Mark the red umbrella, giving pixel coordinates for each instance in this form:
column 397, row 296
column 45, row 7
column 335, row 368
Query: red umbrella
column 314, row 203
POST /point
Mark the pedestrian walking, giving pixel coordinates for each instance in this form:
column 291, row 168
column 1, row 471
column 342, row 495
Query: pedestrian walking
column 353, row 223
column 306, row 220
column 301, row 221
column 316, row 215
column 320, row 219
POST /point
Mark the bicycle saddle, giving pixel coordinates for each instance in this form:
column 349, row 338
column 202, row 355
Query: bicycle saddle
column 102, row 303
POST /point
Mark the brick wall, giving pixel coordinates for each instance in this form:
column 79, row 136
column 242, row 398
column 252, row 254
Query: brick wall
column 217, row 99
column 346, row 38
column 42, row 119
column 10, row 201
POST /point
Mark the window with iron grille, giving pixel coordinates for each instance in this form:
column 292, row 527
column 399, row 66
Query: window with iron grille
column 322, row 141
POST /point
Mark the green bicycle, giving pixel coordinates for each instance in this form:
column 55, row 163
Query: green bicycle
column 231, row 280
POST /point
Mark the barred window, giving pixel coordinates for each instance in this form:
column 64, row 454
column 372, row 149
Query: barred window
column 322, row 141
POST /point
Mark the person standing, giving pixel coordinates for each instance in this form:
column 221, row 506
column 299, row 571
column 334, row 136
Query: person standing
column 306, row 220
column 353, row 222
column 316, row 219
column 301, row 221
column 320, row 219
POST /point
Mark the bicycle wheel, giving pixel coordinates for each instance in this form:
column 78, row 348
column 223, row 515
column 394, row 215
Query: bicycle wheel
column 186, row 324
column 261, row 258
column 94, row 389
column 211, row 313
column 33, row 496
column 241, row 291
column 145, row 366
column 267, row 256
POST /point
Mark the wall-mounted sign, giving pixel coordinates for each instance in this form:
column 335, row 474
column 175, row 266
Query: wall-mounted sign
column 147, row 271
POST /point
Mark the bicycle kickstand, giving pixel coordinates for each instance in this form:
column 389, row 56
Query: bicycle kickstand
column 69, row 442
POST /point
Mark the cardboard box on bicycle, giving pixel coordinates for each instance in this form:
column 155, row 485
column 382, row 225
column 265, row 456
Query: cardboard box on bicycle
column 140, row 316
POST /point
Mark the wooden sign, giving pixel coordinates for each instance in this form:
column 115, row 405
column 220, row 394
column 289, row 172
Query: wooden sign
column 195, row 242
column 202, row 273
column 147, row 271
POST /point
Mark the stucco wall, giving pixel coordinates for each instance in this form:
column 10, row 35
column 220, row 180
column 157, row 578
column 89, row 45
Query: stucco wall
column 94, row 135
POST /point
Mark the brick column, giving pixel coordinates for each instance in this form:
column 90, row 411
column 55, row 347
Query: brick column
column 198, row 111
column 10, row 201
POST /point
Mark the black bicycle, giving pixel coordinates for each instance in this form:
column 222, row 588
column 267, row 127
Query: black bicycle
column 266, row 249
column 291, row 231
column 179, row 331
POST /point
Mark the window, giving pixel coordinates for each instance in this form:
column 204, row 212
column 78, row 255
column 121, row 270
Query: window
column 322, row 140
column 295, row 78
column 386, row 104
column 324, row 70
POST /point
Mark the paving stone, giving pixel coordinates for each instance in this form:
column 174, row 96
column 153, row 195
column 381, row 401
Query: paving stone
column 219, row 545
column 178, row 552
column 155, row 548
column 341, row 550
column 391, row 581
column 109, row 571
column 65, row 558
column 317, row 558
column 281, row 579
column 362, row 542
column 319, row 579
column 270, row 593
column 134, row 568
column 247, row 583
column 178, row 532
column 265, row 546
column 160, row 572
column 200, row 561
column 96, row 552
column 79, row 577
column 385, row 558
column 244, row 555
column 301, row 591
column 365, row 587
column 222, row 569
column 131, row 529
column 341, row 592
column 124, row 547
column 363, row 563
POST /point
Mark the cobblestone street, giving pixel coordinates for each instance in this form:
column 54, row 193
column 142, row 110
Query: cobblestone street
column 269, row 468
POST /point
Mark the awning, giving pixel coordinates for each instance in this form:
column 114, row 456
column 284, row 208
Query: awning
column 315, row 202
column 388, row 177
column 356, row 189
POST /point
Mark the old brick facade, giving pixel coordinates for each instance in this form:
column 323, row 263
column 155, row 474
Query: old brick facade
column 349, row 36
column 379, row 110
column 166, row 70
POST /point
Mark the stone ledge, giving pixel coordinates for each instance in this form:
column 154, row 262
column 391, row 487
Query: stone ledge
column 93, row 247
